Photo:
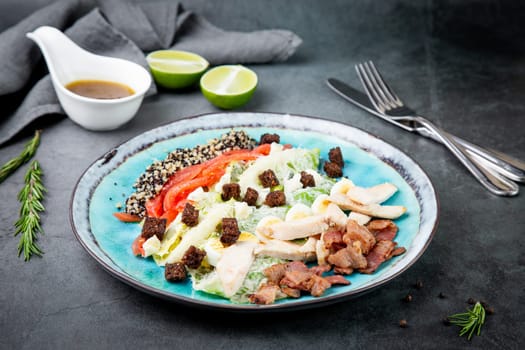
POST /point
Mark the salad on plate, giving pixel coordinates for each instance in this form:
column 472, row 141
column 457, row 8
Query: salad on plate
column 255, row 222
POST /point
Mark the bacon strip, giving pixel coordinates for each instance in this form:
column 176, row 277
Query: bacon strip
column 381, row 252
column 275, row 273
column 333, row 240
column 383, row 230
column 265, row 295
column 359, row 233
column 337, row 279
column 348, row 257
column 317, row 285
column 291, row 278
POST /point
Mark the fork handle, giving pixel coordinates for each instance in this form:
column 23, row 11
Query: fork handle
column 492, row 181
column 508, row 166
column 503, row 164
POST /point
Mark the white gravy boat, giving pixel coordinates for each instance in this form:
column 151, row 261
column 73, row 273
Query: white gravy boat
column 67, row 62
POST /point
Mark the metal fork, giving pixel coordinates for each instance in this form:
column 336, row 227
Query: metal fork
column 390, row 105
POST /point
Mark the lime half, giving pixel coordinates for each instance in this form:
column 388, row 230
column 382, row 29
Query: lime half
column 176, row 69
column 229, row 87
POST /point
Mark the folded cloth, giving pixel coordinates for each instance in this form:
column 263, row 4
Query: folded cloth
column 119, row 29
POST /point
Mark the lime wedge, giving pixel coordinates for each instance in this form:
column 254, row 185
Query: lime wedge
column 176, row 69
column 229, row 87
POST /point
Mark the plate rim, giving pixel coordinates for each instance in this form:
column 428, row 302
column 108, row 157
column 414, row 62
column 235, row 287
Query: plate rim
column 243, row 308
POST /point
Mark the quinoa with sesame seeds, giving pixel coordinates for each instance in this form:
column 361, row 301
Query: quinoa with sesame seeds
column 150, row 183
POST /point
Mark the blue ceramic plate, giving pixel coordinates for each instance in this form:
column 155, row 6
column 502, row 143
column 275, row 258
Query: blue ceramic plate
column 369, row 161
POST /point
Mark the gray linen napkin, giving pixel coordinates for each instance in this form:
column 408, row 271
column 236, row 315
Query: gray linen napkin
column 119, row 29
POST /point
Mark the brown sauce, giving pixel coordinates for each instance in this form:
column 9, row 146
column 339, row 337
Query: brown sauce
column 99, row 89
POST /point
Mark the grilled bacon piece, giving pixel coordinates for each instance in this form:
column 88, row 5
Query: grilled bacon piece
column 359, row 233
column 265, row 295
column 337, row 279
column 343, row 270
column 318, row 285
column 348, row 257
column 333, row 240
column 381, row 252
column 292, row 278
column 384, row 230
column 275, row 273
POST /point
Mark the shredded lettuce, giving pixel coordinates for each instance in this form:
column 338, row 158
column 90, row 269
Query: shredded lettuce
column 284, row 163
column 207, row 280
column 308, row 195
column 250, row 223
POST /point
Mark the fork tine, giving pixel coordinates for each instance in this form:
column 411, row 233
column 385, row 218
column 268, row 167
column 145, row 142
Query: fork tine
column 367, row 85
column 387, row 90
column 387, row 100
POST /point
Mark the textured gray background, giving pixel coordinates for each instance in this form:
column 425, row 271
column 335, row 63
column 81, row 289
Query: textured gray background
column 459, row 62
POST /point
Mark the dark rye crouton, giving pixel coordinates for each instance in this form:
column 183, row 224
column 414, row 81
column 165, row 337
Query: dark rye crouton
column 332, row 170
column 192, row 258
column 251, row 196
column 230, row 231
column 230, row 191
column 275, row 199
column 153, row 227
column 336, row 156
column 190, row 215
column 269, row 138
column 175, row 272
column 268, row 179
column 307, row 179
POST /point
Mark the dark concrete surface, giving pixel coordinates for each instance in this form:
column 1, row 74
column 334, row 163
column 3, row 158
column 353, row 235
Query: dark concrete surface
column 461, row 63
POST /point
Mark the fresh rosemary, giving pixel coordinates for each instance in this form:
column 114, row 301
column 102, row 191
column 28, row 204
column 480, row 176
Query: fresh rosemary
column 24, row 157
column 470, row 321
column 28, row 224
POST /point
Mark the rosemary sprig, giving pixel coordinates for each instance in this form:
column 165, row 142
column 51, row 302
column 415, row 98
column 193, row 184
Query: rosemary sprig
column 28, row 152
column 28, row 224
column 470, row 321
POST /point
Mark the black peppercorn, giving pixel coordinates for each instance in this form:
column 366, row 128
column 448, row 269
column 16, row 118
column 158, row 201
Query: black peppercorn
column 471, row 301
column 403, row 323
column 419, row 284
column 408, row 298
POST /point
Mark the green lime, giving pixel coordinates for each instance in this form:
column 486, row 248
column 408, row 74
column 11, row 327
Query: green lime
column 176, row 69
column 228, row 87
